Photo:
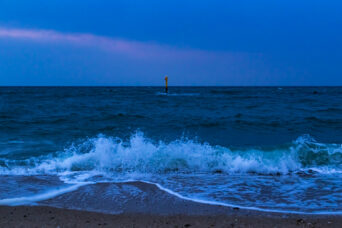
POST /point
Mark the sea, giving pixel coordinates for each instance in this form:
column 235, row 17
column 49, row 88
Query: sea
column 274, row 149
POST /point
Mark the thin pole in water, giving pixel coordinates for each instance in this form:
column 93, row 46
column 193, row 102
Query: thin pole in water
column 166, row 89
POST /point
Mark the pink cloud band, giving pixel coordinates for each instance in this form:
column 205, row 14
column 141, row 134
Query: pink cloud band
column 131, row 48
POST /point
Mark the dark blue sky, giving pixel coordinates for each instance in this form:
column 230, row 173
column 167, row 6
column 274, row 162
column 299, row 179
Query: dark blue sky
column 245, row 42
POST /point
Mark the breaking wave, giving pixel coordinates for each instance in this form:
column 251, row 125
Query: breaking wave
column 142, row 155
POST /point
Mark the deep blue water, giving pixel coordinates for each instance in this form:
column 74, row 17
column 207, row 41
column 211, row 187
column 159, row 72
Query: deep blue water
column 262, row 147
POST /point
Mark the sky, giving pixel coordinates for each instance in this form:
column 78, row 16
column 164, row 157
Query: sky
column 195, row 43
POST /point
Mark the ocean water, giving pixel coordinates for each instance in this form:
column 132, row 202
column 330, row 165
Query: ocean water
column 264, row 148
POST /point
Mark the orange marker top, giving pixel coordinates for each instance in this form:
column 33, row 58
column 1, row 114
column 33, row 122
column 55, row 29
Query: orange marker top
column 166, row 78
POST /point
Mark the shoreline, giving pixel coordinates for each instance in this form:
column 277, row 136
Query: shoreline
column 139, row 204
column 38, row 216
column 220, row 204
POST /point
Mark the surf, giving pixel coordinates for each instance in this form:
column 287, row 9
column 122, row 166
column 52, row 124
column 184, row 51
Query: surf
column 190, row 170
column 143, row 155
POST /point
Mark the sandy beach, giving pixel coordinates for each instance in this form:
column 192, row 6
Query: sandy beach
column 24, row 216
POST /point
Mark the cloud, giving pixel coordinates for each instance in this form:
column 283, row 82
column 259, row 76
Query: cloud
column 119, row 61
column 131, row 48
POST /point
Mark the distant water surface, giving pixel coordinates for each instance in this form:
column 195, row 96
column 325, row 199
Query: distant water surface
column 266, row 148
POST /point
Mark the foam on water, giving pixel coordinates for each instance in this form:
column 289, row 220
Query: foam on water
column 280, row 178
column 142, row 155
column 213, row 202
column 177, row 94
column 28, row 200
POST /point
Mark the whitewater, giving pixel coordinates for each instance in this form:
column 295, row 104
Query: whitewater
column 189, row 170
column 255, row 148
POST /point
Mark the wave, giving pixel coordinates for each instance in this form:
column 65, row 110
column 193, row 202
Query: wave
column 177, row 94
column 226, row 92
column 217, row 203
column 70, row 197
column 25, row 200
column 141, row 155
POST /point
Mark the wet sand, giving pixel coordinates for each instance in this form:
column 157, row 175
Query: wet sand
column 38, row 216
column 138, row 204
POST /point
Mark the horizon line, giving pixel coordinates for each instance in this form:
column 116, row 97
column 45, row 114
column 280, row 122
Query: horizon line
column 2, row 86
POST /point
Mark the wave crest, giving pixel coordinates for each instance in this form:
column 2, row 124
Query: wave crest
column 141, row 155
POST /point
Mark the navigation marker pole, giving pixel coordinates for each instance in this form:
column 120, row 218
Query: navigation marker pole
column 166, row 89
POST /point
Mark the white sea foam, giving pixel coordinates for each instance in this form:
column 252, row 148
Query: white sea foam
column 211, row 202
column 142, row 155
column 29, row 200
column 178, row 94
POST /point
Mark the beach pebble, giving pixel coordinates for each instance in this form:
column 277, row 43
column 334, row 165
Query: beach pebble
column 300, row 221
